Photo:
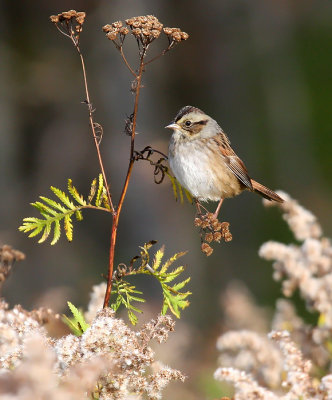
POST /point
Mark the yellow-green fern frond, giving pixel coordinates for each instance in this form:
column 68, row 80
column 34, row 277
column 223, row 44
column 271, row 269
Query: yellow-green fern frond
column 56, row 213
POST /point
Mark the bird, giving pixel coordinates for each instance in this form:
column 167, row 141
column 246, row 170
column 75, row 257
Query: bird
column 203, row 161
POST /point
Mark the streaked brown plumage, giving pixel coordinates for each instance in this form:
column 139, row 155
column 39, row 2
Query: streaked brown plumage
column 203, row 161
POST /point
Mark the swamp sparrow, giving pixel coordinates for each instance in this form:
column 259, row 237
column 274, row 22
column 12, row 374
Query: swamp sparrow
column 202, row 160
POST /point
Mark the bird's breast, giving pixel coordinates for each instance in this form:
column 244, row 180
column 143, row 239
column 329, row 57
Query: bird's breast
column 199, row 167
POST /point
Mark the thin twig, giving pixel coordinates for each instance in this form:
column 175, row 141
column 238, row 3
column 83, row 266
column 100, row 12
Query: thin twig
column 160, row 54
column 93, row 126
column 126, row 62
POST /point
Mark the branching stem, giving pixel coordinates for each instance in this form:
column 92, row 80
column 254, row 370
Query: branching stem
column 125, row 186
column 126, row 62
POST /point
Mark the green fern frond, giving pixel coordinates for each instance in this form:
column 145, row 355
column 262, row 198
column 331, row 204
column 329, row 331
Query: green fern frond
column 76, row 323
column 105, row 201
column 178, row 189
column 68, row 227
column 158, row 257
column 74, row 192
column 93, row 189
column 188, row 195
column 171, row 260
column 99, row 191
column 174, row 300
column 126, row 295
column 54, row 213
column 57, row 232
column 63, row 197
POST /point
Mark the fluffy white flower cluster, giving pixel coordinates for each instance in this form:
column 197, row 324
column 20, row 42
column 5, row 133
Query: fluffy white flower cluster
column 109, row 360
column 272, row 367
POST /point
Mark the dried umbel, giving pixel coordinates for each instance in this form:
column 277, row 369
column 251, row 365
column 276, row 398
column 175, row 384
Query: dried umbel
column 115, row 30
column 211, row 230
column 175, row 34
column 8, row 256
column 145, row 29
column 70, row 23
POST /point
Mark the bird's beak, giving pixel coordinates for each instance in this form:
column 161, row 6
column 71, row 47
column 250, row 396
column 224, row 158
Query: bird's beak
column 172, row 126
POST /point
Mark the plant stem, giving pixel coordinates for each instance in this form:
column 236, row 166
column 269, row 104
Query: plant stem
column 92, row 124
column 116, row 216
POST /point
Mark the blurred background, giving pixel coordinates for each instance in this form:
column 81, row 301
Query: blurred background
column 262, row 69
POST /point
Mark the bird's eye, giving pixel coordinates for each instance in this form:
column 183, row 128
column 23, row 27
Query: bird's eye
column 187, row 122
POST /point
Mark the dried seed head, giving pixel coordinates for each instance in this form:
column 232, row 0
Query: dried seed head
column 71, row 23
column 228, row 237
column 168, row 31
column 80, row 17
column 117, row 24
column 145, row 28
column 175, row 34
column 68, row 14
column 124, row 31
column 184, row 35
column 146, row 32
column 8, row 256
column 112, row 30
column 210, row 217
column 112, row 35
column 206, row 249
column 225, row 226
column 155, row 33
column 208, row 237
column 197, row 222
column 54, row 19
column 216, row 225
column 137, row 32
column 107, row 28
column 205, row 224
column 217, row 236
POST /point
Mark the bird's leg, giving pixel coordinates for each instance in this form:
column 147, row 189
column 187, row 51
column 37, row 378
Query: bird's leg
column 218, row 208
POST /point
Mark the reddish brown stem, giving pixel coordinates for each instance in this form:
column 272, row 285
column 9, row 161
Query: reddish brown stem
column 124, row 189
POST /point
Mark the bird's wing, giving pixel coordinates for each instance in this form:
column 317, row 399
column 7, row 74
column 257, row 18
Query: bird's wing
column 232, row 161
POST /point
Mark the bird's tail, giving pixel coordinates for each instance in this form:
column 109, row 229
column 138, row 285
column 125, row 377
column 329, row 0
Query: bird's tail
column 266, row 192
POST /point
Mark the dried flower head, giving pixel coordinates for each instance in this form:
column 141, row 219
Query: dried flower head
column 8, row 256
column 211, row 230
column 175, row 34
column 145, row 29
column 206, row 249
column 70, row 23
column 115, row 31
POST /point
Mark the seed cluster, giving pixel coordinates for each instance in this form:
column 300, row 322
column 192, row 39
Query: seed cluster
column 211, row 230
column 115, row 29
column 175, row 34
column 8, row 256
column 145, row 29
column 71, row 22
